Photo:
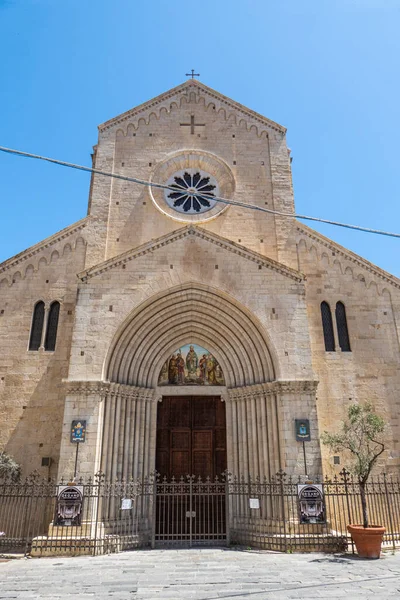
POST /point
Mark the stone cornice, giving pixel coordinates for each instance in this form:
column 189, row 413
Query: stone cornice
column 50, row 241
column 271, row 388
column 348, row 255
column 110, row 389
column 213, row 238
column 192, row 85
column 107, row 389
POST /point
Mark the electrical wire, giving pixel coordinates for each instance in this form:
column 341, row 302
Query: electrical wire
column 216, row 198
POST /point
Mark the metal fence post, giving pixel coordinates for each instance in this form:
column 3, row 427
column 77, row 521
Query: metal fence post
column 281, row 475
column 389, row 511
column 97, row 482
column 190, row 509
column 27, row 520
column 154, row 512
column 227, row 500
column 344, row 475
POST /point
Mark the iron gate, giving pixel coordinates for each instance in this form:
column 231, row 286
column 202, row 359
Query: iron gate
column 190, row 511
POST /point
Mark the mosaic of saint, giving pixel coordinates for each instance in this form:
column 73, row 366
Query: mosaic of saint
column 191, row 365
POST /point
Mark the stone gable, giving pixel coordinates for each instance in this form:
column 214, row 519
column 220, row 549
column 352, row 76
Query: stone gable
column 202, row 93
column 251, row 164
column 212, row 238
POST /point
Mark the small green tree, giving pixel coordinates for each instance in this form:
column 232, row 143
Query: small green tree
column 361, row 435
column 9, row 467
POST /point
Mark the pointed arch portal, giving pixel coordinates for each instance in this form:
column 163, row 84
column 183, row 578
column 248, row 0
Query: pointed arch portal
column 191, row 314
column 240, row 368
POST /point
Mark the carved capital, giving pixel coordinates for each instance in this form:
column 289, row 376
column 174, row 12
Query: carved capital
column 86, row 388
column 108, row 389
column 270, row 388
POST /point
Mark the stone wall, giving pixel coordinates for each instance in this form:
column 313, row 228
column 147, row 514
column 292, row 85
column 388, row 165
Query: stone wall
column 31, row 390
column 123, row 214
column 371, row 371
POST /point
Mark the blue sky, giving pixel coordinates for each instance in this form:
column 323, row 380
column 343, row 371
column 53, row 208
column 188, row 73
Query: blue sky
column 328, row 71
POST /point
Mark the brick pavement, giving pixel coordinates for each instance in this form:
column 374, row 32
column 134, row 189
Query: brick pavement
column 201, row 574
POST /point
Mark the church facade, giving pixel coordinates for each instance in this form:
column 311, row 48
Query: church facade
column 190, row 335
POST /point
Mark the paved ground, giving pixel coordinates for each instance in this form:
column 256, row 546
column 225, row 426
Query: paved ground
column 206, row 574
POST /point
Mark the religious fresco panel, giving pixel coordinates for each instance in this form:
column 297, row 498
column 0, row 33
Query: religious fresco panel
column 191, row 365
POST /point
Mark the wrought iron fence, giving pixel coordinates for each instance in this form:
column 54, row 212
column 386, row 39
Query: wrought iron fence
column 278, row 523
column 100, row 516
column 31, row 521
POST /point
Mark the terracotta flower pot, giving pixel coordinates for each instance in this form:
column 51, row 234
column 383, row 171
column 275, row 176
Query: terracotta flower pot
column 368, row 541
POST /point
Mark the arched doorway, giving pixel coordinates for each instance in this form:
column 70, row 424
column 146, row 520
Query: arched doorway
column 191, row 428
column 191, row 457
column 191, row 462
column 208, row 319
column 190, row 396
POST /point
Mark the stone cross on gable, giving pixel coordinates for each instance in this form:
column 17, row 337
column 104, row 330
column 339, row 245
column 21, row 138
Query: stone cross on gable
column 192, row 124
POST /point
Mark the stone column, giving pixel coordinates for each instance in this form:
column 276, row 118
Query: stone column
column 254, row 430
column 128, row 430
column 44, row 328
column 260, row 422
column 231, row 434
column 261, row 429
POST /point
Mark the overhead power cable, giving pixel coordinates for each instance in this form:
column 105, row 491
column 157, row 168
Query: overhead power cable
column 216, row 198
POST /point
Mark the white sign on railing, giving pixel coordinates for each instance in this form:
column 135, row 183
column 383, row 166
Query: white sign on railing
column 254, row 503
column 126, row 504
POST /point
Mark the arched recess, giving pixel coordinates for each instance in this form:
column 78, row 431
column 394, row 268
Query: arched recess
column 327, row 327
column 35, row 338
column 197, row 314
column 52, row 326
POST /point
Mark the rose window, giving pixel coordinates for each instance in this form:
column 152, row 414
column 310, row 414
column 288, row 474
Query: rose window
column 193, row 191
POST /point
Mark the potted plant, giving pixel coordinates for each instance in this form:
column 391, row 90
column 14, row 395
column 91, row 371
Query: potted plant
column 361, row 435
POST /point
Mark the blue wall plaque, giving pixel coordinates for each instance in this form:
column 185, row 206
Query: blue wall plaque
column 302, row 430
column 78, row 431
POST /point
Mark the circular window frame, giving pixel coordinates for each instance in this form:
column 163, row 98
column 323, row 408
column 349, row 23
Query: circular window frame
column 201, row 161
column 183, row 187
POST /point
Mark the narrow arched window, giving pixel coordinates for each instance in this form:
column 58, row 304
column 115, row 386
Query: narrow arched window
column 327, row 326
column 52, row 325
column 341, row 324
column 37, row 326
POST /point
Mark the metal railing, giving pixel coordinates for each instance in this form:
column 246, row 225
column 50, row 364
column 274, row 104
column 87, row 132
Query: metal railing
column 120, row 515
column 30, row 517
column 278, row 523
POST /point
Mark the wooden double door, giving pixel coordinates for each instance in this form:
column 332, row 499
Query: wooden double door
column 191, row 436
